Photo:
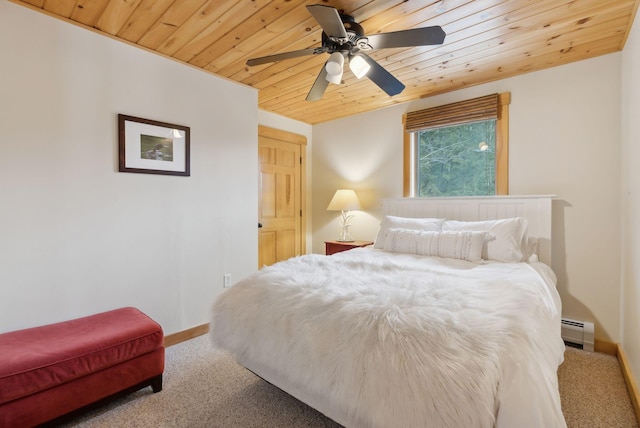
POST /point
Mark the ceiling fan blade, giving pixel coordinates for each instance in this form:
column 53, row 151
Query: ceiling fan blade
column 382, row 77
column 408, row 38
column 285, row 55
column 329, row 19
column 319, row 86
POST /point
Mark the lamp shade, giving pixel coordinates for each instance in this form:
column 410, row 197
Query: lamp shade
column 359, row 66
column 334, row 68
column 344, row 200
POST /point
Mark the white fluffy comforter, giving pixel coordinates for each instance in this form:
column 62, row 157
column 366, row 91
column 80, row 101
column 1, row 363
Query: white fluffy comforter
column 375, row 339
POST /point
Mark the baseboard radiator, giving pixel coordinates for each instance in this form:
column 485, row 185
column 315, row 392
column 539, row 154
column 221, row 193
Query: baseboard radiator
column 578, row 334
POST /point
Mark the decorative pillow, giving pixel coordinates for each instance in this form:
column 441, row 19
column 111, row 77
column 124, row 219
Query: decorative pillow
column 393, row 222
column 464, row 245
column 510, row 237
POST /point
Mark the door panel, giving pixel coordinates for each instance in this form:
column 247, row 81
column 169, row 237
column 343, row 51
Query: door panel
column 268, row 191
column 280, row 196
column 267, row 248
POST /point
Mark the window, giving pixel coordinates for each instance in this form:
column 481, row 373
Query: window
column 459, row 149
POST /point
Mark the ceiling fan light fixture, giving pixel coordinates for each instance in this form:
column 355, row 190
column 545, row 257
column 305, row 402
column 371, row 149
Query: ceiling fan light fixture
column 359, row 66
column 336, row 79
column 343, row 38
column 334, row 68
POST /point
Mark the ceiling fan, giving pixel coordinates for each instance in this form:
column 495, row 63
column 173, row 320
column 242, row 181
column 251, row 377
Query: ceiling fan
column 344, row 39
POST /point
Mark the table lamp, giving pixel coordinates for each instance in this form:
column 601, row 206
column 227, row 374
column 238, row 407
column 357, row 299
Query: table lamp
column 344, row 200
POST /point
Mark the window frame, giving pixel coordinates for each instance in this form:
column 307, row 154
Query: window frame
column 502, row 150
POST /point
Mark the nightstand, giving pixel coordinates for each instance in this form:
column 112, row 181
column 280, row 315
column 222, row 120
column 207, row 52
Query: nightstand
column 332, row 247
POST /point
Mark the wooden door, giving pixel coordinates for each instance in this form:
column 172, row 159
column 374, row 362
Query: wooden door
column 281, row 194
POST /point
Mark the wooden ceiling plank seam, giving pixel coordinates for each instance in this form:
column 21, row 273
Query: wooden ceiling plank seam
column 254, row 78
column 505, row 72
column 508, row 19
column 305, row 72
column 454, row 34
column 143, row 18
column 209, row 13
column 471, row 67
column 407, row 15
column 371, row 9
column 238, row 13
column 418, row 15
column 115, row 15
column 467, row 13
column 308, row 36
column 296, row 85
column 457, row 39
column 283, row 42
column 512, row 20
column 39, row 4
column 88, row 12
column 59, row 7
column 353, row 8
column 256, row 72
column 469, row 55
column 172, row 18
column 568, row 31
column 261, row 18
column 282, row 31
column 249, row 75
column 207, row 35
column 527, row 29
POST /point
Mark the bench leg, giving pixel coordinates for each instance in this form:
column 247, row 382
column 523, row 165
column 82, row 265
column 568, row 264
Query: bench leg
column 156, row 383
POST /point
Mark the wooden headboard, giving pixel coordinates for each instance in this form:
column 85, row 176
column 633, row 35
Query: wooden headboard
column 536, row 209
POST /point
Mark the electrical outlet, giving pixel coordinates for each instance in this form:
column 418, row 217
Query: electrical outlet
column 226, row 280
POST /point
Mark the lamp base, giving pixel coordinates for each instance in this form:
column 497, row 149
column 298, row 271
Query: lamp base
column 345, row 223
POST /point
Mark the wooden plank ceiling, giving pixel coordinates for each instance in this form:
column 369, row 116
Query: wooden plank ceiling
column 486, row 40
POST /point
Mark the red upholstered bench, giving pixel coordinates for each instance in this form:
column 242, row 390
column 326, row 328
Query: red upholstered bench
column 52, row 370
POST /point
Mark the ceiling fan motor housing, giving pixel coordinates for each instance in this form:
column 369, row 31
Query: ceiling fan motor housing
column 355, row 32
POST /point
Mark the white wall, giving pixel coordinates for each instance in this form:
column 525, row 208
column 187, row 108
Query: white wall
column 631, row 199
column 564, row 140
column 77, row 236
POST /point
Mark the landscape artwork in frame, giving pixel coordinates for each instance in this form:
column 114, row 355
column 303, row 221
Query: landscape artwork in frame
column 152, row 147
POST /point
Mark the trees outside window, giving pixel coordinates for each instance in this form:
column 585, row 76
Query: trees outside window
column 456, row 160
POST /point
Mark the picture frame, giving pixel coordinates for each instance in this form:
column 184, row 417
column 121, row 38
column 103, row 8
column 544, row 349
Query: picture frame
column 152, row 147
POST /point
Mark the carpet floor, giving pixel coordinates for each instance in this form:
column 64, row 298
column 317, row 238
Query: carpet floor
column 205, row 387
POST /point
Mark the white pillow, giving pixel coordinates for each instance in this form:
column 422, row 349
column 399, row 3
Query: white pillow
column 464, row 245
column 393, row 222
column 510, row 237
column 529, row 249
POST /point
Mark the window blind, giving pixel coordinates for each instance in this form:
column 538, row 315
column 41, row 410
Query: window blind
column 481, row 108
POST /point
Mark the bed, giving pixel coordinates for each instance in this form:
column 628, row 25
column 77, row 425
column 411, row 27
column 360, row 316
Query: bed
column 450, row 319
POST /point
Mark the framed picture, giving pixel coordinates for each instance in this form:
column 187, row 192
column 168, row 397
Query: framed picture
column 152, row 147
